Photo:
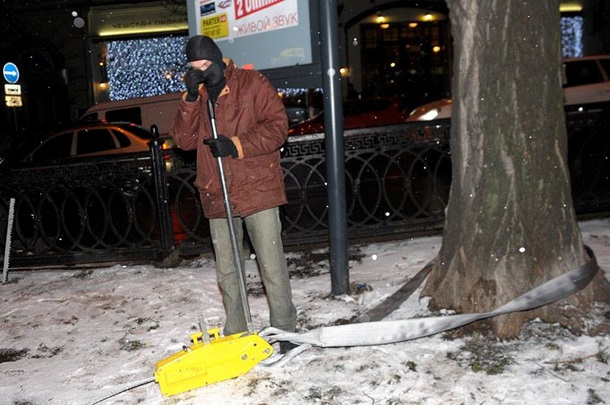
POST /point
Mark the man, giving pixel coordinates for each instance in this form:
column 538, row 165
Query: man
column 253, row 123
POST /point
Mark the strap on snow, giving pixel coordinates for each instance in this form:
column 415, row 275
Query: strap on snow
column 384, row 332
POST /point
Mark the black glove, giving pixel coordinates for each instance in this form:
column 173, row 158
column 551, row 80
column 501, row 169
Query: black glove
column 222, row 146
column 193, row 78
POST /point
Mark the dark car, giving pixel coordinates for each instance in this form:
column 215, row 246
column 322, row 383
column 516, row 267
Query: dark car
column 358, row 113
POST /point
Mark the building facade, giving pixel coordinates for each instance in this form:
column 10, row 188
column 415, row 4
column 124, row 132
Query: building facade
column 75, row 53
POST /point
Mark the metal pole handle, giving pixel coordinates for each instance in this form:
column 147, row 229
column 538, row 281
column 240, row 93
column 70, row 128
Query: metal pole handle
column 234, row 242
column 7, row 245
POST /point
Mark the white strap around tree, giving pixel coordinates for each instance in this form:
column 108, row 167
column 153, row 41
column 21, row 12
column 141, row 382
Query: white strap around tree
column 383, row 332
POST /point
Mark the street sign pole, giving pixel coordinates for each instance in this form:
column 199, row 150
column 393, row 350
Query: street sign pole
column 335, row 150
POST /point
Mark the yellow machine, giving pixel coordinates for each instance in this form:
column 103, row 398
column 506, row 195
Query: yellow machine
column 209, row 360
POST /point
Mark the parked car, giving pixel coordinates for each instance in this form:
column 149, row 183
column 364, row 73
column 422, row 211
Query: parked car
column 587, row 86
column 145, row 111
column 94, row 139
column 357, row 113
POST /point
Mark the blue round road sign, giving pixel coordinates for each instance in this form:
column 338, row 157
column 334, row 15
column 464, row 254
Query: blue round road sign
column 10, row 72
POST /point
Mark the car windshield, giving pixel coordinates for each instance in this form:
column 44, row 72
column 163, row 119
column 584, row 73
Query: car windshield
column 365, row 106
column 582, row 72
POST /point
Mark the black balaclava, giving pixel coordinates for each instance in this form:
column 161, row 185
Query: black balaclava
column 201, row 47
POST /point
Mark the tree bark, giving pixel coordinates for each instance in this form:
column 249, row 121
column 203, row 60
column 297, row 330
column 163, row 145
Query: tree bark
column 510, row 223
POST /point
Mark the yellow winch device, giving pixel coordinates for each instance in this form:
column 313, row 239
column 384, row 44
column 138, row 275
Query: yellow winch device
column 210, row 359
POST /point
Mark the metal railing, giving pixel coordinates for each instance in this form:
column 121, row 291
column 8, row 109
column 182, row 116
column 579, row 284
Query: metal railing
column 397, row 183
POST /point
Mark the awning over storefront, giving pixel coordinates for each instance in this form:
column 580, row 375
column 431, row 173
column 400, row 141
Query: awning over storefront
column 141, row 20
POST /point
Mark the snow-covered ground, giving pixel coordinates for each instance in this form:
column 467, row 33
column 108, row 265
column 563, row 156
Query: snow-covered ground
column 74, row 336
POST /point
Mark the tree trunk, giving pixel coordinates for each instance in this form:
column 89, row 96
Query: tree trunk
column 510, row 223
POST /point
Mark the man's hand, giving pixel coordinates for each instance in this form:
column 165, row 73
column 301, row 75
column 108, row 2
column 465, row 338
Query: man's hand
column 222, row 146
column 193, row 78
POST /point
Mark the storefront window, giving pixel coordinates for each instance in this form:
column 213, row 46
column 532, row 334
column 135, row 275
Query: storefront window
column 145, row 67
column 571, row 36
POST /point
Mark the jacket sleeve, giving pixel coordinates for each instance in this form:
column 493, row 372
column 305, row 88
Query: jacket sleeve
column 270, row 130
column 187, row 124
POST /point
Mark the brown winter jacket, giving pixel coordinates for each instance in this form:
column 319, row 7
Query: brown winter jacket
column 250, row 112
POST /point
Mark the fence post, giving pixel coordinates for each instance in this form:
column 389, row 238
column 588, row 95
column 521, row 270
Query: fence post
column 162, row 194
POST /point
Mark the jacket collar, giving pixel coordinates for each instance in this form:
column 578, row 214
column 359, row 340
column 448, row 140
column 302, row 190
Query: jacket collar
column 230, row 70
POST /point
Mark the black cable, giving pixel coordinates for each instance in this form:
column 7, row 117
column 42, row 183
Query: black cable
column 124, row 389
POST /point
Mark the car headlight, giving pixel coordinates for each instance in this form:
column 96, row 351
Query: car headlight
column 430, row 115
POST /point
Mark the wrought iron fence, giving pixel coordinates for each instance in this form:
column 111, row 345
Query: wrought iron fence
column 145, row 206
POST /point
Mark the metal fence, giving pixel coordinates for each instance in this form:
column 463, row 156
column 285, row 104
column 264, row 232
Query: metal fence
column 145, row 206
